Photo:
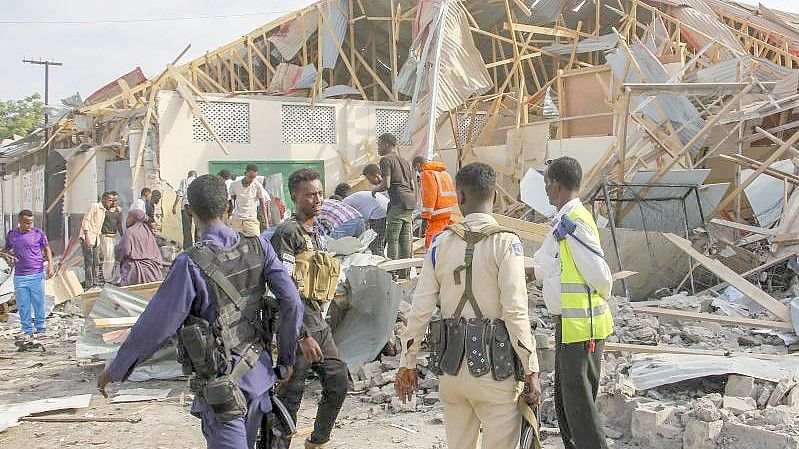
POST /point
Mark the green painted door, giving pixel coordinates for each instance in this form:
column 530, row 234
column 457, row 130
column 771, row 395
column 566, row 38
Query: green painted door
column 267, row 168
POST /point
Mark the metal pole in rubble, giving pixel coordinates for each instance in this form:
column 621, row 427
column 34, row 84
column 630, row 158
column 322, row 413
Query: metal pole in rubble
column 431, row 125
column 46, row 65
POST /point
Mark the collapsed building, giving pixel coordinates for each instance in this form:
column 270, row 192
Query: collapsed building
column 681, row 113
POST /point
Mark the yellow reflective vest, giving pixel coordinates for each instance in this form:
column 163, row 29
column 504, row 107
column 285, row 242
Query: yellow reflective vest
column 585, row 315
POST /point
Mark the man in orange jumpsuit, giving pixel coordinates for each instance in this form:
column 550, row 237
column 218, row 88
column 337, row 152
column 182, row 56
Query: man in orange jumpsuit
column 438, row 197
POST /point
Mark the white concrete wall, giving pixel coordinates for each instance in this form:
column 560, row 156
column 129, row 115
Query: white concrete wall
column 355, row 122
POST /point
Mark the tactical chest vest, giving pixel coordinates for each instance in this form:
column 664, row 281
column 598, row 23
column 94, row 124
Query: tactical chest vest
column 235, row 283
column 315, row 272
column 485, row 343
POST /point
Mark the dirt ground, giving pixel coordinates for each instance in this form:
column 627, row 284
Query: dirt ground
column 26, row 376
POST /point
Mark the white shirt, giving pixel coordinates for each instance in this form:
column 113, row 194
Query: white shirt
column 245, row 202
column 369, row 207
column 138, row 204
column 183, row 190
column 228, row 183
column 594, row 269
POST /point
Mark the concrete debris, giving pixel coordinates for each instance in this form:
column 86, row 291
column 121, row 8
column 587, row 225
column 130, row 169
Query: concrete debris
column 739, row 405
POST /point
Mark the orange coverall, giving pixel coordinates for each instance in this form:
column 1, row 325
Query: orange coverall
column 438, row 199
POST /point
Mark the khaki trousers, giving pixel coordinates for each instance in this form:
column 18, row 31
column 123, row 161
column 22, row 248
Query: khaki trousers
column 474, row 402
column 248, row 226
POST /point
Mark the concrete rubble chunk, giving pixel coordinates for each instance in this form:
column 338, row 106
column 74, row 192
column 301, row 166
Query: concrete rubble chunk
column 780, row 391
column 781, row 415
column 764, row 396
column 701, row 434
column 431, row 398
column 742, row 436
column 792, row 398
column 397, row 406
column 740, row 386
column 707, row 411
column 739, row 405
column 646, row 420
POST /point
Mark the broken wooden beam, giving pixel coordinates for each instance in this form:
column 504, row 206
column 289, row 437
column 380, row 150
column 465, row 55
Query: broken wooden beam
column 709, row 317
column 743, row 227
column 780, row 310
column 125, row 321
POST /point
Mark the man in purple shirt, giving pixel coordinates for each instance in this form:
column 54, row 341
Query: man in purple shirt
column 186, row 292
column 28, row 248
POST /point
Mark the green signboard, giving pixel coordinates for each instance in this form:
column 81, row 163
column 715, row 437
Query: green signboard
column 270, row 168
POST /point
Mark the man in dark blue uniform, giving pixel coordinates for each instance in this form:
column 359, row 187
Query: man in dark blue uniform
column 189, row 293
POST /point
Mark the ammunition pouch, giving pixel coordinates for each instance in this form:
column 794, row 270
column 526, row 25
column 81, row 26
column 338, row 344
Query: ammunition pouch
column 225, row 398
column 504, row 361
column 206, row 350
column 485, row 344
column 198, row 351
column 316, row 274
column 436, row 341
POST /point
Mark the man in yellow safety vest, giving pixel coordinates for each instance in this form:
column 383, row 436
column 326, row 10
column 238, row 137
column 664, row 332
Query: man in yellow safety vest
column 576, row 283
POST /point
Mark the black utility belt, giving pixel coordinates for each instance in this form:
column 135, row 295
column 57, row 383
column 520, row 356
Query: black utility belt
column 484, row 343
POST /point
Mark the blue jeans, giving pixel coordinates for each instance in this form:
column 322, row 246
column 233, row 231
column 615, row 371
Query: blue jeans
column 352, row 228
column 29, row 291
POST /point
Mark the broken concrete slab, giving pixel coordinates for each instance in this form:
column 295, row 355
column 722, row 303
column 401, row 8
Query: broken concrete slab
column 701, row 434
column 742, row 436
column 780, row 391
column 740, row 386
column 739, row 405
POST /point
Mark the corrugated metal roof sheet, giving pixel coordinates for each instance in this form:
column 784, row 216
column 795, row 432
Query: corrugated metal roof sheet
column 22, row 147
column 677, row 108
column 547, row 11
column 728, row 71
column 590, row 44
column 338, row 17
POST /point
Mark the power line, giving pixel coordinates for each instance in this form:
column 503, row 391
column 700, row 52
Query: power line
column 152, row 19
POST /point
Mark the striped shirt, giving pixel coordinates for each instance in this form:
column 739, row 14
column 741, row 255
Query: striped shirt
column 337, row 213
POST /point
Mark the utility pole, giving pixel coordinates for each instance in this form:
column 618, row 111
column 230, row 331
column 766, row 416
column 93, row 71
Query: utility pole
column 46, row 65
column 47, row 162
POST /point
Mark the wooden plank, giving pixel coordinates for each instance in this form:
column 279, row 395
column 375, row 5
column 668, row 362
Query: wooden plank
column 126, row 321
column 553, row 31
column 780, row 310
column 766, row 164
column 709, row 317
column 619, row 275
column 743, row 227
column 401, row 264
column 526, row 230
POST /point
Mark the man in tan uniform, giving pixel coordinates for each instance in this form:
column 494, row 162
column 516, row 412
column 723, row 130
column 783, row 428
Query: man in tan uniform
column 493, row 292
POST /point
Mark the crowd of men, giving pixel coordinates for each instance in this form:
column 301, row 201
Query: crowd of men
column 469, row 308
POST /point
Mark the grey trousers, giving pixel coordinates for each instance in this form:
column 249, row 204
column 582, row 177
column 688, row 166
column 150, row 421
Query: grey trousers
column 91, row 260
column 334, row 377
column 576, row 383
column 186, row 221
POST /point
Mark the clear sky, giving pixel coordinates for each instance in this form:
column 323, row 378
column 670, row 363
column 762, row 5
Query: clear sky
column 97, row 53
